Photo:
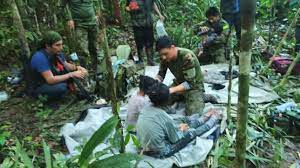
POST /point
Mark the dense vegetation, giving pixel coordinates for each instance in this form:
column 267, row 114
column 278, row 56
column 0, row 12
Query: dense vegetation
column 29, row 129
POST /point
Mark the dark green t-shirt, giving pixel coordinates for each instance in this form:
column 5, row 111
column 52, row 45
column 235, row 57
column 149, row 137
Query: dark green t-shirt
column 143, row 16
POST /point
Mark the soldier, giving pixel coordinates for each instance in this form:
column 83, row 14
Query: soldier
column 230, row 10
column 80, row 15
column 185, row 66
column 214, row 33
column 142, row 23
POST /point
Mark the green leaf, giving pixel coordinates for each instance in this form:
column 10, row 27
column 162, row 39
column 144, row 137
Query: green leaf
column 98, row 137
column 23, row 155
column 127, row 138
column 123, row 51
column 47, row 155
column 123, row 160
column 7, row 163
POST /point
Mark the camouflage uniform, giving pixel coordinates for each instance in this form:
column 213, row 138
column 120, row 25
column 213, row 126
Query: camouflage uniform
column 82, row 12
column 230, row 10
column 215, row 52
column 142, row 24
column 186, row 68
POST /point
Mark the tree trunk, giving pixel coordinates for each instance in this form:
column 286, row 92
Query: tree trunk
column 25, row 51
column 111, row 80
column 248, row 22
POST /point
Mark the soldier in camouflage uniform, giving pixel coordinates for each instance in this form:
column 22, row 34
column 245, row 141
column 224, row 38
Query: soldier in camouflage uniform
column 214, row 33
column 185, row 66
column 297, row 35
column 81, row 16
column 230, row 10
column 142, row 23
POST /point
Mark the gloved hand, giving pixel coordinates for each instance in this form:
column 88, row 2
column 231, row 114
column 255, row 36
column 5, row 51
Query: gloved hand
column 210, row 39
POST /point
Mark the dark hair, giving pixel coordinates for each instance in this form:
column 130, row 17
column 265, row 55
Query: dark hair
column 212, row 11
column 163, row 42
column 146, row 82
column 159, row 94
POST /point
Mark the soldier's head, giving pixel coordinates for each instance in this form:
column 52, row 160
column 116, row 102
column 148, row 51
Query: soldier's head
column 159, row 94
column 213, row 14
column 166, row 48
column 52, row 42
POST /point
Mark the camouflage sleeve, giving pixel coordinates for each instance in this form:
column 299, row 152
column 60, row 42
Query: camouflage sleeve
column 189, row 70
column 162, row 70
column 64, row 10
column 222, row 37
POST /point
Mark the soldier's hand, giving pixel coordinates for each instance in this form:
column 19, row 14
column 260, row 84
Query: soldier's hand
column 71, row 24
column 127, row 8
column 162, row 18
column 204, row 29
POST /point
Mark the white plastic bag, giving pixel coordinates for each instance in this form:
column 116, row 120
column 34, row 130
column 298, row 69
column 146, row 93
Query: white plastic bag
column 160, row 29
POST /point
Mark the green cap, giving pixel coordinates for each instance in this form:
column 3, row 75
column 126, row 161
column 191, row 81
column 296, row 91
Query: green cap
column 51, row 37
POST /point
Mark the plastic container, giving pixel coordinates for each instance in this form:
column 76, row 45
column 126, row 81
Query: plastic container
column 160, row 29
column 3, row 96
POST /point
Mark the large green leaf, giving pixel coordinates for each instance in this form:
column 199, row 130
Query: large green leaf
column 117, row 161
column 47, row 155
column 123, row 51
column 23, row 155
column 99, row 136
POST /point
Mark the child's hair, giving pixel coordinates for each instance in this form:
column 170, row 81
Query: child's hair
column 212, row 11
column 159, row 94
column 146, row 82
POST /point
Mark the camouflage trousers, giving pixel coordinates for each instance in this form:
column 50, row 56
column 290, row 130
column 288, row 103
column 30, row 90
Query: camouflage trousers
column 210, row 56
column 87, row 46
column 193, row 99
column 194, row 103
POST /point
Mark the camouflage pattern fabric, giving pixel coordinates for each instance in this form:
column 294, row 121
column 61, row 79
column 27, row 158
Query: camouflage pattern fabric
column 215, row 53
column 81, row 11
column 87, row 46
column 186, row 68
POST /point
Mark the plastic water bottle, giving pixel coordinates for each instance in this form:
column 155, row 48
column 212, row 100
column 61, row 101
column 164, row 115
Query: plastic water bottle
column 160, row 29
column 74, row 56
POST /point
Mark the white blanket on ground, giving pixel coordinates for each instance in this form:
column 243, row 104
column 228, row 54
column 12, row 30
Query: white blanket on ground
column 260, row 92
column 76, row 135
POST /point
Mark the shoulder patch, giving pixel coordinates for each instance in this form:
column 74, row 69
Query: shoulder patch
column 188, row 61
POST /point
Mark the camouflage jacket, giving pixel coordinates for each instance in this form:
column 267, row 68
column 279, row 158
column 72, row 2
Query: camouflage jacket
column 142, row 17
column 222, row 31
column 81, row 11
column 186, row 68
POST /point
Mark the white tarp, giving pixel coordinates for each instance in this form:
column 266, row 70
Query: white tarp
column 260, row 92
column 76, row 135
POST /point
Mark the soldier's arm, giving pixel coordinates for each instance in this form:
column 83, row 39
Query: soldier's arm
column 222, row 37
column 155, row 7
column 162, row 71
column 189, row 72
column 64, row 10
